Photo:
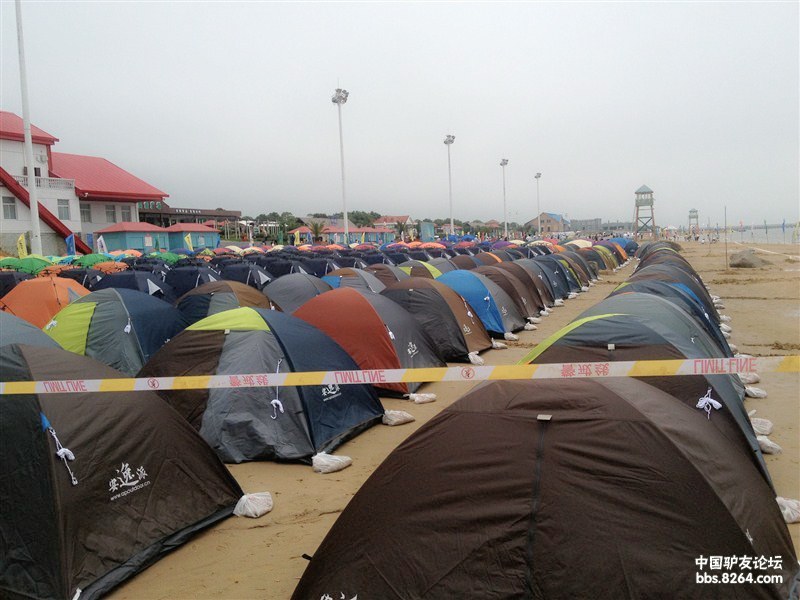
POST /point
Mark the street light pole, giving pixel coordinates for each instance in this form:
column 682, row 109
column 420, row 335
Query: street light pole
column 538, row 207
column 503, row 164
column 448, row 140
column 339, row 98
column 33, row 193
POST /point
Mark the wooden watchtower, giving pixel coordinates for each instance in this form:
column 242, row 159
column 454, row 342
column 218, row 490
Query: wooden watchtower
column 645, row 220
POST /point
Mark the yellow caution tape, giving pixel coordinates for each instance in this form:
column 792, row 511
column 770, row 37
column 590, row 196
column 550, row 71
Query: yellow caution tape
column 639, row 368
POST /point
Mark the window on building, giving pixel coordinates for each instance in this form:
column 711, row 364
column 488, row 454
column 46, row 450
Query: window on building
column 37, row 172
column 86, row 213
column 111, row 213
column 63, row 210
column 9, row 207
column 126, row 214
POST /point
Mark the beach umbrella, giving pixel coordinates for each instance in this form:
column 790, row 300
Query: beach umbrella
column 235, row 249
column 89, row 260
column 168, row 257
column 32, row 264
column 110, row 267
column 9, row 262
column 501, row 244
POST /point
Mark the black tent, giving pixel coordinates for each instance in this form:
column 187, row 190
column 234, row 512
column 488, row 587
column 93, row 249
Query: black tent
column 135, row 481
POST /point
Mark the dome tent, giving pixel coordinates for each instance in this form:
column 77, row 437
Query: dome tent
column 264, row 423
column 37, row 300
column 141, row 482
column 141, row 281
column 495, row 308
column 456, row 331
column 557, row 498
column 217, row 296
column 292, row 290
column 376, row 332
column 121, row 328
column 14, row 330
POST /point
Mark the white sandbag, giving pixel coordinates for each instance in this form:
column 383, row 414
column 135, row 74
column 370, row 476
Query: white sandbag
column 253, row 505
column 719, row 305
column 421, row 398
column 529, row 327
column 715, row 298
column 754, row 392
column 725, row 328
column 559, row 302
column 724, row 319
column 572, row 296
column 734, row 348
column 749, row 378
column 475, row 359
column 534, row 320
column 328, row 463
column 727, row 336
column 544, row 313
column 510, row 336
column 790, row 509
column 498, row 345
column 584, row 288
column 737, row 355
column 761, row 426
column 396, row 417
column 767, row 445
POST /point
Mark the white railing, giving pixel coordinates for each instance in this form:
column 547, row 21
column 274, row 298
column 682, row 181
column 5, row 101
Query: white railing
column 50, row 183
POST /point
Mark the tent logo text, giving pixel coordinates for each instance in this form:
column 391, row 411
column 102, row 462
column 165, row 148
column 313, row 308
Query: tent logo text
column 329, row 392
column 412, row 349
column 467, row 330
column 125, row 482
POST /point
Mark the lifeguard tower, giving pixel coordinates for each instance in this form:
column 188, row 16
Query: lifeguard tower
column 645, row 220
column 694, row 223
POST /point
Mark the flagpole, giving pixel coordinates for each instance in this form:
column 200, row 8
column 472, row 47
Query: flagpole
column 36, row 235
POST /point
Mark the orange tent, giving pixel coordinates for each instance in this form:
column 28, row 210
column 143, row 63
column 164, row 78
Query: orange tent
column 38, row 300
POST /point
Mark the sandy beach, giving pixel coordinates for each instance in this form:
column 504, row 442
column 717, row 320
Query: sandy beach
column 262, row 558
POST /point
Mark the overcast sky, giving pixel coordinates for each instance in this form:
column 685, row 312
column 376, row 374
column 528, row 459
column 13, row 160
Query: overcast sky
column 228, row 104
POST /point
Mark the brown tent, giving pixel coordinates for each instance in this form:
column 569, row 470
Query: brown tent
column 528, row 304
column 464, row 261
column 556, row 489
column 535, row 285
column 388, row 274
column 135, row 480
column 37, row 300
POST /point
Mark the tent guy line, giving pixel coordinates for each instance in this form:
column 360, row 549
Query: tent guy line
column 578, row 370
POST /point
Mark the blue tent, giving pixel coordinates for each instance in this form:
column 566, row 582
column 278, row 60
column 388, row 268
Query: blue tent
column 142, row 281
column 494, row 307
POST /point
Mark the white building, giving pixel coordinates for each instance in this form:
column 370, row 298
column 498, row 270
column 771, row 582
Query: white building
column 77, row 194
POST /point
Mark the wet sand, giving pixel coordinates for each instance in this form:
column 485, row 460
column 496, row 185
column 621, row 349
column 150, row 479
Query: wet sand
column 262, row 558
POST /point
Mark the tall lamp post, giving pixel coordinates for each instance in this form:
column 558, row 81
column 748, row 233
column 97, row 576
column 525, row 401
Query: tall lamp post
column 503, row 163
column 448, row 140
column 538, row 207
column 33, row 194
column 339, row 98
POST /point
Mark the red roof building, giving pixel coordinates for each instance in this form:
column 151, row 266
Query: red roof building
column 11, row 128
column 99, row 179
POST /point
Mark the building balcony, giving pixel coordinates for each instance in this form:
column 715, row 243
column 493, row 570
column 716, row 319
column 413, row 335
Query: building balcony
column 49, row 183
